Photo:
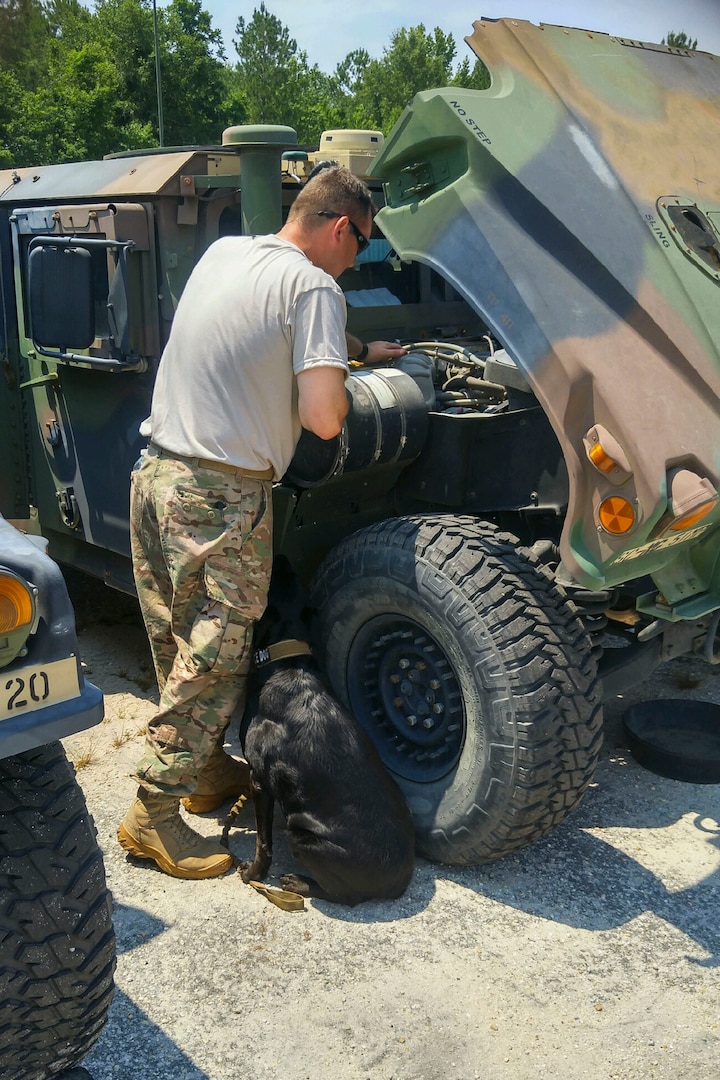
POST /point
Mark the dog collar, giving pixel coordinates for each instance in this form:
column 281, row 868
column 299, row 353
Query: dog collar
column 281, row 651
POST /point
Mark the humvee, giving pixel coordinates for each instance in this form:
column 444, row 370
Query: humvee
column 521, row 514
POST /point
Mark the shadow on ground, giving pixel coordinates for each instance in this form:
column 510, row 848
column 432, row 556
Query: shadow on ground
column 132, row 1046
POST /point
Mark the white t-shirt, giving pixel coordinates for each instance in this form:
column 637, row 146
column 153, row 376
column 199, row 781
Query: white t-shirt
column 254, row 313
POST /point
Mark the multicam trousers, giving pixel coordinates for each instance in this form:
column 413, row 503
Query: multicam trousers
column 201, row 544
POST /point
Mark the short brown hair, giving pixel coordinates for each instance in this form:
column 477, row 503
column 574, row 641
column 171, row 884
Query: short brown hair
column 334, row 188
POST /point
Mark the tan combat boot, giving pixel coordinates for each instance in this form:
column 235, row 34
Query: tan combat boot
column 154, row 829
column 223, row 777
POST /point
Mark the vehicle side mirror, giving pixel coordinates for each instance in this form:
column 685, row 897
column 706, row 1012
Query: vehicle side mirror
column 61, row 302
column 61, row 306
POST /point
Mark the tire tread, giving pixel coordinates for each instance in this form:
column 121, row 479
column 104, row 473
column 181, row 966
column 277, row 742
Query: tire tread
column 56, row 936
column 545, row 655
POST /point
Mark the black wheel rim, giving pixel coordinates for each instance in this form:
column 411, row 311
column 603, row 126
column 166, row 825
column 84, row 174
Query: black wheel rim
column 404, row 692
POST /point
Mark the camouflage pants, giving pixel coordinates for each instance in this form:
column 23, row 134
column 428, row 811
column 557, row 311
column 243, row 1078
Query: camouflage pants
column 201, row 544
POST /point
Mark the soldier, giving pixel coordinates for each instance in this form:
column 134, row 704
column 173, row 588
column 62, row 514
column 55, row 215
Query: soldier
column 257, row 352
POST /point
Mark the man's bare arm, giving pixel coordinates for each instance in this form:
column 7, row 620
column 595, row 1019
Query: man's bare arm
column 322, row 400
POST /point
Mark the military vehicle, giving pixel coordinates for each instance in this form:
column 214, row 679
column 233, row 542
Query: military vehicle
column 58, row 946
column 520, row 514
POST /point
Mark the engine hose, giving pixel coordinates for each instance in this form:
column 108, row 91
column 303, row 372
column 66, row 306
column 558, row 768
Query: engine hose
column 449, row 352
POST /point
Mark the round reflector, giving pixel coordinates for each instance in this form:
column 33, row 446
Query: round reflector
column 616, row 515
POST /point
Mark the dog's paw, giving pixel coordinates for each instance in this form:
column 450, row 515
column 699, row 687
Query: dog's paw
column 254, row 871
column 294, row 883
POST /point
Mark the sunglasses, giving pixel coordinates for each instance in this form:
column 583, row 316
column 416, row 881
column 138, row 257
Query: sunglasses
column 362, row 241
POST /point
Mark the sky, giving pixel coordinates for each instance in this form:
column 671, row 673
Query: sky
column 327, row 32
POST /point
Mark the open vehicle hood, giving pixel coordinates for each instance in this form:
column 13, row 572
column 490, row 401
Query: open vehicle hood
column 576, row 205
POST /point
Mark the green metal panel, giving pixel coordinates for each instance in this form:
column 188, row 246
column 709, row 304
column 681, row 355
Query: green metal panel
column 551, row 202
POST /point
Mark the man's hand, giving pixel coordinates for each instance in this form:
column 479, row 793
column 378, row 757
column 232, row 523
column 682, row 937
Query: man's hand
column 382, row 351
column 375, row 352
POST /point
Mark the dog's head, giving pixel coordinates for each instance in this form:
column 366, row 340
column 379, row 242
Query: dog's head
column 288, row 613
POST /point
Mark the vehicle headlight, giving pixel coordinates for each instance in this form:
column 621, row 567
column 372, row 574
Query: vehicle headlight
column 17, row 603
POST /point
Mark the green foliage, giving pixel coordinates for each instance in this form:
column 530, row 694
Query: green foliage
column 193, row 80
column 76, row 84
column 268, row 66
column 373, row 93
column 25, row 36
column 81, row 108
column 679, row 40
column 273, row 79
column 70, row 22
column 71, row 116
column 10, row 94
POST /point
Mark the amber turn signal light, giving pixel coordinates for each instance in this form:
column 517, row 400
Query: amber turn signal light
column 692, row 498
column 600, row 459
column 688, row 520
column 17, row 606
column 606, row 454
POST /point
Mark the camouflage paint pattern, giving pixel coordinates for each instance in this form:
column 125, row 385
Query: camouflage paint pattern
column 202, row 551
column 561, row 203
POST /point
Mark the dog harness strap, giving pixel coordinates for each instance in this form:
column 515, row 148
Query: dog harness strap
column 282, row 898
column 281, row 651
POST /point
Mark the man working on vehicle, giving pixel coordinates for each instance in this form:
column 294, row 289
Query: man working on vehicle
column 257, row 352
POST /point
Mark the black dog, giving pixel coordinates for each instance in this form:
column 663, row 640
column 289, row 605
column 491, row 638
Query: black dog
column 347, row 821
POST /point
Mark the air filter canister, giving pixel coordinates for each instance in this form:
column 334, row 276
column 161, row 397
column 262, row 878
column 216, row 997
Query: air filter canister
column 387, row 422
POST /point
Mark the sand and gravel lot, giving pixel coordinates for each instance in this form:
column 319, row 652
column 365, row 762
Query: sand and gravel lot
column 592, row 955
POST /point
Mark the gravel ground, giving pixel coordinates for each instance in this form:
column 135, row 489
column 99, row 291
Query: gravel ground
column 591, row 955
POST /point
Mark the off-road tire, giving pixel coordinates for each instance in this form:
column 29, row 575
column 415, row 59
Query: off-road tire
column 57, row 945
column 472, row 673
